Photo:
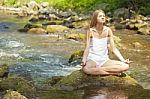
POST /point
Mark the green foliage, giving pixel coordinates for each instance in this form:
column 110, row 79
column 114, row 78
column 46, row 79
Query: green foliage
column 77, row 5
column 9, row 2
column 145, row 10
column 84, row 6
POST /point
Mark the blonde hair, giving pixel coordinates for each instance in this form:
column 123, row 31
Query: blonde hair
column 94, row 18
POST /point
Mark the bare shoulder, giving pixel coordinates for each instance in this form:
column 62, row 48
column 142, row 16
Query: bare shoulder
column 109, row 31
column 90, row 30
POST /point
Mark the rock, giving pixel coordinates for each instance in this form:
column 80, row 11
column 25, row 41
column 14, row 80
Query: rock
column 56, row 28
column 144, row 30
column 78, row 80
column 120, row 26
column 75, row 36
column 34, row 19
column 19, row 84
column 139, row 17
column 29, row 26
column 42, row 17
column 133, row 21
column 135, row 26
column 65, row 14
column 121, row 13
column 130, row 26
column 44, row 11
column 33, row 5
column 53, row 17
column 80, row 24
column 53, row 23
column 76, row 55
column 13, row 95
column 139, row 25
column 52, row 81
column 137, row 45
column 37, row 30
column 4, row 70
column 44, row 4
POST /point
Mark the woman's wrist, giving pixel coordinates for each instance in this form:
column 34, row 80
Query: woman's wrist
column 123, row 60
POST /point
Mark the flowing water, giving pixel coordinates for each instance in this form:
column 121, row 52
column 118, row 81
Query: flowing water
column 39, row 57
column 35, row 56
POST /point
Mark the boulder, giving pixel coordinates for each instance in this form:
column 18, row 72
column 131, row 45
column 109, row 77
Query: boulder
column 4, row 70
column 76, row 55
column 75, row 36
column 37, row 30
column 121, row 13
column 30, row 26
column 56, row 28
column 19, row 84
column 13, row 95
column 44, row 4
column 144, row 30
column 78, row 79
column 80, row 24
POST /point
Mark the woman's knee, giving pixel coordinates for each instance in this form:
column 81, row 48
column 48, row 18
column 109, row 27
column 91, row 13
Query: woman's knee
column 86, row 70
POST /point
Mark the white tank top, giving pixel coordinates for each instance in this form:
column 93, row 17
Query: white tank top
column 99, row 46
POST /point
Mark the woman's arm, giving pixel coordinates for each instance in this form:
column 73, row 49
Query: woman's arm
column 113, row 47
column 86, row 51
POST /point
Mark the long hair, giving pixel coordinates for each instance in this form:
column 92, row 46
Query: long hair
column 94, row 18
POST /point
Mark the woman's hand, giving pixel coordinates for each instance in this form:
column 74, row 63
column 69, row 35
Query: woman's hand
column 127, row 61
column 83, row 63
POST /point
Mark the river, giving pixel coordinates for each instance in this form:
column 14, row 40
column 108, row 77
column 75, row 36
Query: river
column 42, row 56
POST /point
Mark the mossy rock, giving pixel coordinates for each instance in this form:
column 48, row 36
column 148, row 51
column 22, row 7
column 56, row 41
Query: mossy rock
column 80, row 24
column 139, row 25
column 78, row 80
column 76, row 55
column 54, row 23
column 53, row 80
column 30, row 26
column 75, row 36
column 37, row 30
column 144, row 30
column 119, row 26
column 4, row 70
column 19, row 84
column 56, row 28
column 13, row 95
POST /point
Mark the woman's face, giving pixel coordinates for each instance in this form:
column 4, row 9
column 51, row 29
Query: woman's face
column 101, row 17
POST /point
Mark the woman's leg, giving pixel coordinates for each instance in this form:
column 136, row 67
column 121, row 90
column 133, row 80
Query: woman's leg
column 114, row 66
column 91, row 68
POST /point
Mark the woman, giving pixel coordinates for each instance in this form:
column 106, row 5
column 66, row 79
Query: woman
column 95, row 58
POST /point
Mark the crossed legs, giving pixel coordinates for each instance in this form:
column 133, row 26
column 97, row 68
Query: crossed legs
column 111, row 67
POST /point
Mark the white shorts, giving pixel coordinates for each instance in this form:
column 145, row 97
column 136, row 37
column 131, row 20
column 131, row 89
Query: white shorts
column 97, row 59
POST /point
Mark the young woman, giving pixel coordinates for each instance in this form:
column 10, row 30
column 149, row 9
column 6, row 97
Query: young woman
column 95, row 58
